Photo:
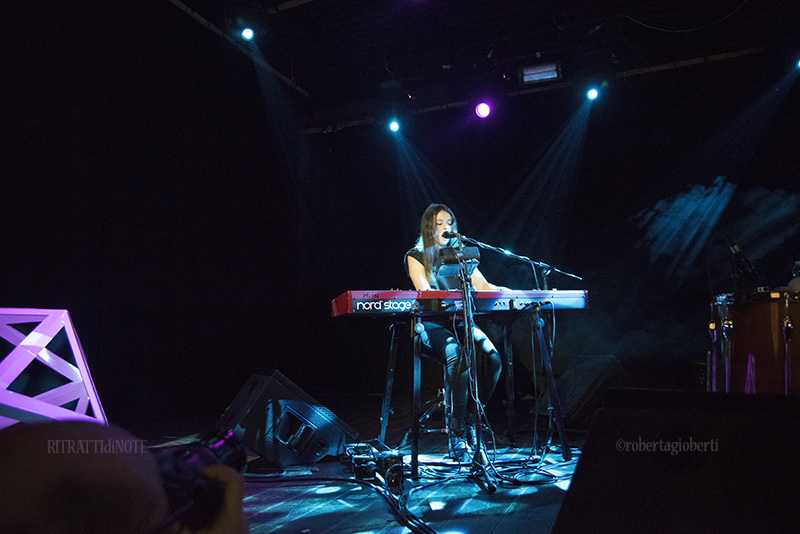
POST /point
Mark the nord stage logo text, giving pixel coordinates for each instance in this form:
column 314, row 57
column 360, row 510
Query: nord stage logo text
column 394, row 305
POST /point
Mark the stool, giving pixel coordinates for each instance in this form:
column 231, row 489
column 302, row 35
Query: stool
column 442, row 402
column 418, row 414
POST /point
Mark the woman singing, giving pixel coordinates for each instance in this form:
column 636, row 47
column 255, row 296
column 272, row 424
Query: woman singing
column 440, row 339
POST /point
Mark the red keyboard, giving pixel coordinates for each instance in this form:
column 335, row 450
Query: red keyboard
column 395, row 302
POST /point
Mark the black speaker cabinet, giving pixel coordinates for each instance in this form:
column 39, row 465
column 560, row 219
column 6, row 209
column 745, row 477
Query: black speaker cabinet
column 581, row 386
column 282, row 423
column 666, row 462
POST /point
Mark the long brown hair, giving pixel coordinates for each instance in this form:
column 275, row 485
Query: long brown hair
column 426, row 242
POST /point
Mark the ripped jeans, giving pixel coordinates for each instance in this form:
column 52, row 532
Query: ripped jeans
column 439, row 343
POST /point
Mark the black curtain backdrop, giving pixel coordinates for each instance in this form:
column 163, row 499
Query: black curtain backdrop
column 149, row 189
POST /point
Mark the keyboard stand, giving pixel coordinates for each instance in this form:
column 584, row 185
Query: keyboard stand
column 555, row 401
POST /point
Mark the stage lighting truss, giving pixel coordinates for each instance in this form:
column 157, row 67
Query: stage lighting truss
column 38, row 384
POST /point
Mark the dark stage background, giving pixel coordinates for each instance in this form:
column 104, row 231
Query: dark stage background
column 163, row 195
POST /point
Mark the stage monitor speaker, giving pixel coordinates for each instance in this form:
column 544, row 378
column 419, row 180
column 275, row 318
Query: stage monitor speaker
column 581, row 386
column 282, row 423
column 665, row 462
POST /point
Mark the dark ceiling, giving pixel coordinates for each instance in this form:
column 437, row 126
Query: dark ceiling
column 342, row 58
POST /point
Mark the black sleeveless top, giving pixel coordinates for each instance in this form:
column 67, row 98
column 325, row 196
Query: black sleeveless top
column 438, row 281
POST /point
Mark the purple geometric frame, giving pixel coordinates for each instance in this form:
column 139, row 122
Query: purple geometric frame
column 48, row 404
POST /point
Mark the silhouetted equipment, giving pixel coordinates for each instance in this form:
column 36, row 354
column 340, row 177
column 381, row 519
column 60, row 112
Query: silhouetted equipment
column 195, row 500
column 283, row 423
column 581, row 387
column 744, row 275
column 794, row 283
column 678, row 461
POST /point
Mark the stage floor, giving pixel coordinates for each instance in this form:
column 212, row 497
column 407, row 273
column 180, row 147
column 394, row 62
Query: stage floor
column 524, row 494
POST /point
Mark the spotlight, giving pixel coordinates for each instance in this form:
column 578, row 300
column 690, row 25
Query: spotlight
column 394, row 126
column 482, row 110
column 248, row 34
column 592, row 94
column 798, row 64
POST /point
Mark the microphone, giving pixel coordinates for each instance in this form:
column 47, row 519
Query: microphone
column 450, row 235
column 742, row 268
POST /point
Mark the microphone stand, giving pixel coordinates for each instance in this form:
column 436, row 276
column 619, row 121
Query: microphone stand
column 478, row 471
column 546, row 269
column 538, row 325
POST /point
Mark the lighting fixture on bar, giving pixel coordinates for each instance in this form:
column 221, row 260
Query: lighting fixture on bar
column 539, row 73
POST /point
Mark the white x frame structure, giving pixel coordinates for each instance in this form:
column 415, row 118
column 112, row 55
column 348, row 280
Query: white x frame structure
column 50, row 404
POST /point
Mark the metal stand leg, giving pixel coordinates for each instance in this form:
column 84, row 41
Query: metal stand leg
column 511, row 413
column 787, row 330
column 555, row 402
column 727, row 349
column 711, row 359
column 416, row 329
column 387, row 396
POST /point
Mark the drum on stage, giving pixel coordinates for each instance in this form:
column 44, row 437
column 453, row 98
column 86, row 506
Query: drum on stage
column 754, row 346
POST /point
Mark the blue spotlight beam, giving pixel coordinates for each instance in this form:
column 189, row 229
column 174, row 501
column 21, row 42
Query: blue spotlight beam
column 550, row 183
column 677, row 229
column 245, row 50
column 420, row 185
